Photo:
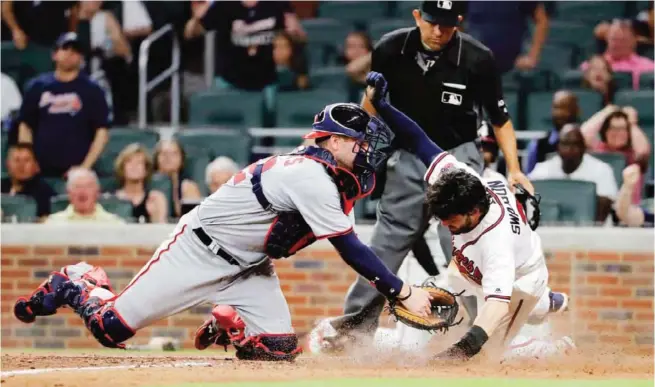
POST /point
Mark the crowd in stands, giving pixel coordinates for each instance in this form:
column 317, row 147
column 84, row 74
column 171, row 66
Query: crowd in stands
column 582, row 74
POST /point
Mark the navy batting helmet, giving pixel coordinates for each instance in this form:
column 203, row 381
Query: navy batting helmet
column 350, row 120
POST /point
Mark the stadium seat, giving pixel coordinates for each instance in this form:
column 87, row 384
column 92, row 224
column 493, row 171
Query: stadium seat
column 234, row 109
column 23, row 65
column 194, row 167
column 57, row 184
column 334, row 78
column 163, row 184
column 539, row 107
column 4, row 147
column 119, row 138
column 403, row 9
column 297, row 109
column 641, row 100
column 512, row 102
column 616, row 161
column 646, row 81
column 589, row 12
column 623, row 80
column 353, row 11
column 379, row 28
column 18, row 208
column 555, row 57
column 216, row 142
column 324, row 31
column 576, row 200
column 108, row 184
column 549, row 212
column 569, row 33
column 572, row 79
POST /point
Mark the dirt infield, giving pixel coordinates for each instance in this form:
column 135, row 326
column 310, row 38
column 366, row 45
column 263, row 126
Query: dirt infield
column 217, row 367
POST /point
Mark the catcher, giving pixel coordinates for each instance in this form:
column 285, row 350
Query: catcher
column 496, row 252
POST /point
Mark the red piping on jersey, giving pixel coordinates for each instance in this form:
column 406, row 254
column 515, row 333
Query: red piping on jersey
column 152, row 262
column 504, row 298
column 336, row 234
column 434, row 164
column 502, row 215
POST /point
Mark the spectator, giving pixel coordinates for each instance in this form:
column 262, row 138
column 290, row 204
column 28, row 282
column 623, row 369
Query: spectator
column 357, row 55
column 136, row 21
column 598, row 76
column 39, row 22
column 628, row 213
column 169, row 160
column 244, row 35
column 83, row 192
column 621, row 52
column 617, row 130
column 219, row 171
column 291, row 62
column 503, row 25
column 64, row 114
column 11, row 98
column 133, row 169
column 24, row 180
column 642, row 26
column 572, row 162
column 565, row 110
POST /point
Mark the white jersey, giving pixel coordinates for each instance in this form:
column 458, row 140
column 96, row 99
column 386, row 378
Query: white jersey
column 233, row 217
column 502, row 248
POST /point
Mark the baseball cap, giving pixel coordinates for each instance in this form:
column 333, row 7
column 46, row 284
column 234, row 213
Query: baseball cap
column 68, row 39
column 442, row 12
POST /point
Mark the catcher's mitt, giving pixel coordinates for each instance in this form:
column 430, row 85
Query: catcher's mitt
column 444, row 310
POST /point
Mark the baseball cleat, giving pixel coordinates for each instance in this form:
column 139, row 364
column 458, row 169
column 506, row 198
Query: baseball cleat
column 224, row 327
column 325, row 339
column 566, row 345
column 559, row 302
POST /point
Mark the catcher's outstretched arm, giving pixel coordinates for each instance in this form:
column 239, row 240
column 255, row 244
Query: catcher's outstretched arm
column 367, row 264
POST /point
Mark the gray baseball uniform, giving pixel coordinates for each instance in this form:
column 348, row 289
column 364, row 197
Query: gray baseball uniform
column 185, row 272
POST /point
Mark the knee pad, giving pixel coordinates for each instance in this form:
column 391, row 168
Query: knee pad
column 269, row 347
column 105, row 323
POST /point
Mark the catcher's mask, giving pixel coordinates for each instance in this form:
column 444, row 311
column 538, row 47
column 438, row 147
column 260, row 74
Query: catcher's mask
column 350, row 120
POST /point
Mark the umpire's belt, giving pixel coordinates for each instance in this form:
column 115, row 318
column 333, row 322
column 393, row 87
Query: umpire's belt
column 214, row 247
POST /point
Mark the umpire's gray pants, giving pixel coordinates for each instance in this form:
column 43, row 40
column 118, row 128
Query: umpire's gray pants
column 401, row 220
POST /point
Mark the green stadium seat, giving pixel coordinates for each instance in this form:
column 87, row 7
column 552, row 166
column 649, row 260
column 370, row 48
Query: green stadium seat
column 404, row 9
column 555, row 57
column 324, row 31
column 646, row 81
column 589, row 12
column 616, row 161
column 57, row 184
column 576, row 200
column 623, row 80
column 18, row 208
column 297, row 109
column 119, row 138
column 216, row 142
column 512, row 102
column 641, row 100
column 329, row 78
column 229, row 108
column 194, row 167
column 23, row 65
column 569, row 33
column 58, row 203
column 571, row 79
column 108, row 184
column 4, row 147
column 539, row 107
column 379, row 28
column 353, row 11
column 163, row 184
column 549, row 212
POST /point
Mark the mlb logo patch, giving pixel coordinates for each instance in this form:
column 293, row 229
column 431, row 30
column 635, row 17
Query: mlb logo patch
column 451, row 98
column 445, row 4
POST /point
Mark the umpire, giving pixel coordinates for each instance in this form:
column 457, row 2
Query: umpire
column 441, row 78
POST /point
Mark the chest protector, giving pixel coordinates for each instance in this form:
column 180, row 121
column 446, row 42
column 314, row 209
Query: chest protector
column 289, row 232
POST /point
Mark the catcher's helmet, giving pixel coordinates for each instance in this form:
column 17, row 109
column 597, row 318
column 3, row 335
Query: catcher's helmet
column 350, row 120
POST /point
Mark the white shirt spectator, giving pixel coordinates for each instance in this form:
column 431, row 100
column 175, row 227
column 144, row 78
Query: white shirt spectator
column 591, row 169
column 11, row 97
column 135, row 16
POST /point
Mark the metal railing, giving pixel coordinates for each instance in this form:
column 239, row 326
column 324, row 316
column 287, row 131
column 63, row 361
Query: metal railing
column 172, row 72
column 210, row 58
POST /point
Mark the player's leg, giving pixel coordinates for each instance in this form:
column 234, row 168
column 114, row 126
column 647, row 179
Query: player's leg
column 179, row 275
column 257, row 297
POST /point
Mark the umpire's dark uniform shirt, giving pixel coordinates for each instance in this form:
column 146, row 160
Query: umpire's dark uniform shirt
column 442, row 91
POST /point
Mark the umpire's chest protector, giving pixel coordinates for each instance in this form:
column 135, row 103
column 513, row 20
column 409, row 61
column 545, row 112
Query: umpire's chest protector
column 289, row 232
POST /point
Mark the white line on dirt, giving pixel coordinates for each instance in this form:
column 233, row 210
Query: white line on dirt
column 39, row 371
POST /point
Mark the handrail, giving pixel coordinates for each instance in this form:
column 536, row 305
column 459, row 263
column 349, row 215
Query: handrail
column 210, row 58
column 146, row 86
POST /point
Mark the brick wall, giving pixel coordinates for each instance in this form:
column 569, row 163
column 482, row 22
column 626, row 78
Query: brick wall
column 612, row 293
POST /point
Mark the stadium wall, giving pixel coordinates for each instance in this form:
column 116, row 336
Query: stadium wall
column 608, row 272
